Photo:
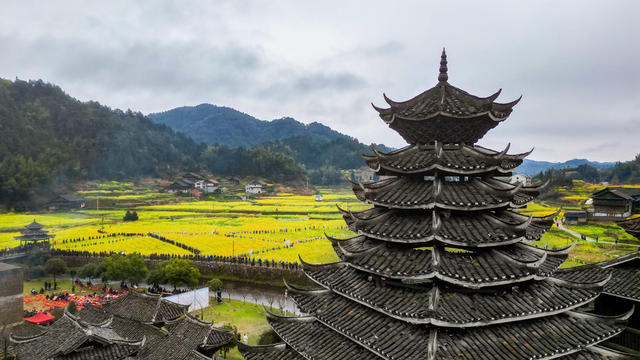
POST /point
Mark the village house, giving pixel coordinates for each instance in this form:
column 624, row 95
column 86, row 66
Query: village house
column 208, row 186
column 573, row 217
column 520, row 178
column 192, row 181
column 180, row 186
column 65, row 202
column 258, row 187
column 615, row 203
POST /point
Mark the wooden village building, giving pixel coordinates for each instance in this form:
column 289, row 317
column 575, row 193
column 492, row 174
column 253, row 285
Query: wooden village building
column 615, row 203
column 33, row 234
column 65, row 202
column 133, row 326
column 441, row 267
column 573, row 217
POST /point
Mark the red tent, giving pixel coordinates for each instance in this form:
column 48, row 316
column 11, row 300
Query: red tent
column 40, row 318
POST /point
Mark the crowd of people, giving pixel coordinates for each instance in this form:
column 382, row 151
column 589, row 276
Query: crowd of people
column 47, row 299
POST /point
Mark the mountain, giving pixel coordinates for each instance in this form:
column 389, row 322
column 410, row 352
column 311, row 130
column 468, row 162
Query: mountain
column 533, row 167
column 226, row 126
column 322, row 150
column 49, row 137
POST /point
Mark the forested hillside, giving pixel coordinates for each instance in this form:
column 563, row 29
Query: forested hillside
column 48, row 136
column 226, row 126
column 322, row 151
column 50, row 139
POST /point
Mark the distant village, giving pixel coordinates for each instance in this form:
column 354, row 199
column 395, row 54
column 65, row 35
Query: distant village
column 197, row 185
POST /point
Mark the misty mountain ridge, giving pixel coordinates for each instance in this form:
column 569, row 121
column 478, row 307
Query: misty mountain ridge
column 533, row 167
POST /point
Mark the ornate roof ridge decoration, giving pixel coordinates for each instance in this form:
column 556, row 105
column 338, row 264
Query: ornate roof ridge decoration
column 454, row 159
column 34, row 225
column 445, row 113
column 439, row 267
column 475, row 194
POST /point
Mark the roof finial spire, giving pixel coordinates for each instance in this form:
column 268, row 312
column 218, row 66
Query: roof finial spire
column 443, row 67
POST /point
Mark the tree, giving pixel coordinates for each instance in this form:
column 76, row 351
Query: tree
column 130, row 216
column 156, row 276
column 256, row 295
column 268, row 337
column 179, row 272
column 55, row 266
column 136, row 268
column 270, row 299
column 115, row 267
column 229, row 288
column 215, row 285
column 88, row 271
column 125, row 267
column 244, row 292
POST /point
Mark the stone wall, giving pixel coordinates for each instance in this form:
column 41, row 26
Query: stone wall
column 11, row 278
column 241, row 271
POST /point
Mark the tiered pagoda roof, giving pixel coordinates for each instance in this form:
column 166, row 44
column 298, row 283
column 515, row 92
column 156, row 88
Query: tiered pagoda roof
column 33, row 233
column 133, row 326
column 446, row 158
column 439, row 267
column 476, row 194
column 70, row 337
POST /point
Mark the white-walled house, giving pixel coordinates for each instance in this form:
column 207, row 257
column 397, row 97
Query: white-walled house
column 520, row 178
column 254, row 188
column 208, row 186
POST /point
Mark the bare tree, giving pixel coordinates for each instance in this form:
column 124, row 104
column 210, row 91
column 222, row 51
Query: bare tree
column 229, row 288
column 270, row 299
column 244, row 292
column 281, row 302
column 256, row 295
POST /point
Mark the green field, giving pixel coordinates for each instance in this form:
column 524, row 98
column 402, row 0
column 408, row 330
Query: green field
column 249, row 319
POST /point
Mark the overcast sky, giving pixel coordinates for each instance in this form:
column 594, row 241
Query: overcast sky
column 576, row 63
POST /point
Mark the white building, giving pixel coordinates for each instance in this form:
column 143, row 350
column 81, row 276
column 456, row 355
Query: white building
column 207, row 186
column 254, row 189
column 520, row 178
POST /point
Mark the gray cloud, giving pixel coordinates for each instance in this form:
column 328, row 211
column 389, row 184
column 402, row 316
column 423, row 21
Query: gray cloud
column 574, row 62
